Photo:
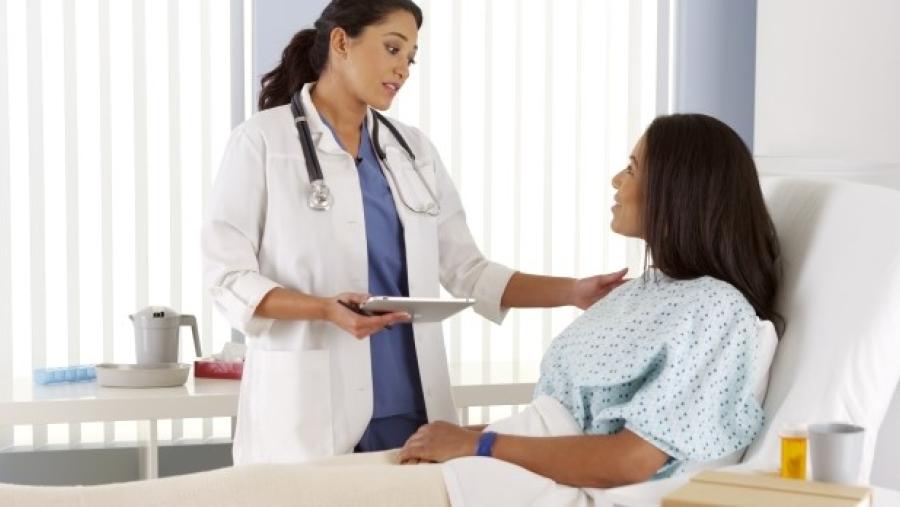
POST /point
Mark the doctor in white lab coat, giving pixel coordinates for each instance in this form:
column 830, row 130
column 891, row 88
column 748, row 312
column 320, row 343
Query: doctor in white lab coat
column 320, row 379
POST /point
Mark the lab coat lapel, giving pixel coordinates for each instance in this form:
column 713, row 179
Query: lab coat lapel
column 321, row 134
column 351, row 378
column 422, row 264
column 419, row 229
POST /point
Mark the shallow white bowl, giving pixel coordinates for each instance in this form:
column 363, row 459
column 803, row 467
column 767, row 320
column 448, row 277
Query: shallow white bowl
column 142, row 375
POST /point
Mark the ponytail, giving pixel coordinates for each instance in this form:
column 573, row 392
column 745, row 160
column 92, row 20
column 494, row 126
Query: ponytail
column 305, row 57
column 301, row 63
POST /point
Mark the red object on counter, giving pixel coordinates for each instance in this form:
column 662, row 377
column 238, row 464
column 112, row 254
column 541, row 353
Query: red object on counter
column 218, row 369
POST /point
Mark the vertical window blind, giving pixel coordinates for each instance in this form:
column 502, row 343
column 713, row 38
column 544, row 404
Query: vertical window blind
column 114, row 112
column 114, row 115
column 533, row 106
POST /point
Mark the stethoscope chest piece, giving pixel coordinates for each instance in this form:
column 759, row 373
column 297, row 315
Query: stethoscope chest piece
column 320, row 197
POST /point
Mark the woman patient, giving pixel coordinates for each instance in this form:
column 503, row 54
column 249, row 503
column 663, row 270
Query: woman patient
column 653, row 376
column 658, row 372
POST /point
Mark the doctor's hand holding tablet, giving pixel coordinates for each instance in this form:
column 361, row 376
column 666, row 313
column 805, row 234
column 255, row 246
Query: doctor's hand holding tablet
column 321, row 201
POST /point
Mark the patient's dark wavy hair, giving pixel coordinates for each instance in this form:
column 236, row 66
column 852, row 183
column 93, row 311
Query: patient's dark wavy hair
column 704, row 212
column 306, row 56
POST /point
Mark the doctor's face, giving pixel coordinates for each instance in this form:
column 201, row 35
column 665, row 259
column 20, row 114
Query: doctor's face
column 378, row 60
column 629, row 207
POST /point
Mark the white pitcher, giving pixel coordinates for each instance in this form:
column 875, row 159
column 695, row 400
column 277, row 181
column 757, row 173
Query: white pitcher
column 156, row 334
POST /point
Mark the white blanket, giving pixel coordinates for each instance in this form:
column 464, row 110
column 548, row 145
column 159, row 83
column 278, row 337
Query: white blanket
column 488, row 482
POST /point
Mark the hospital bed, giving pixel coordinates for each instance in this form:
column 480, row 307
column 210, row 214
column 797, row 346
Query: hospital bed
column 839, row 357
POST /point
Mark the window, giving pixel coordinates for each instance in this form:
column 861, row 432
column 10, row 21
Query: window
column 114, row 114
column 533, row 107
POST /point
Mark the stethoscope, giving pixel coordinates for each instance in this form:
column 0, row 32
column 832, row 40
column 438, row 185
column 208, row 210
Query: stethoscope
column 320, row 197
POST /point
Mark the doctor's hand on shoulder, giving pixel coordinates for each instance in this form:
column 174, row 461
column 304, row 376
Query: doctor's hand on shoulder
column 537, row 291
column 340, row 311
column 587, row 291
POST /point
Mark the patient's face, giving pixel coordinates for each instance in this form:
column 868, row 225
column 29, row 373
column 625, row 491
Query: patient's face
column 628, row 211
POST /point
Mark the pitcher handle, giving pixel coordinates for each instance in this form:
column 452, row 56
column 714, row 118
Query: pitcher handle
column 190, row 320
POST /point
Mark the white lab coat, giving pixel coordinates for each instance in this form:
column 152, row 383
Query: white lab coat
column 307, row 385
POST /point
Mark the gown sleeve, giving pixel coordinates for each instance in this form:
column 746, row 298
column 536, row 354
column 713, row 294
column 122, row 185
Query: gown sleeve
column 697, row 404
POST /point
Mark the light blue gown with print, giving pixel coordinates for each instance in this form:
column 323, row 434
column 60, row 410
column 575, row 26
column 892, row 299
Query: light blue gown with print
column 669, row 360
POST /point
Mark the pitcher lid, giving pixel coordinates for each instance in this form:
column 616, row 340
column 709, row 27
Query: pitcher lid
column 156, row 316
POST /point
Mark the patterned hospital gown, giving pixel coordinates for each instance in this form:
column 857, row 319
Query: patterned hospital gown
column 668, row 359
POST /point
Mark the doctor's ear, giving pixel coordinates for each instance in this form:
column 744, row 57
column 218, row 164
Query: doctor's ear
column 340, row 42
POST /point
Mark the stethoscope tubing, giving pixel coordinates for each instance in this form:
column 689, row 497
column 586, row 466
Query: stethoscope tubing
column 313, row 168
column 320, row 196
column 379, row 118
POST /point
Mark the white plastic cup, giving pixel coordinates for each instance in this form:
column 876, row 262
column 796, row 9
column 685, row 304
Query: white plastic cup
column 835, row 451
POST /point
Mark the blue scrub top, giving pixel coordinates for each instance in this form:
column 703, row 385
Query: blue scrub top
column 396, row 385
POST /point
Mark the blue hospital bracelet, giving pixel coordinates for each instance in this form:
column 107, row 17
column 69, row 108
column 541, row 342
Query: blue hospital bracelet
column 486, row 443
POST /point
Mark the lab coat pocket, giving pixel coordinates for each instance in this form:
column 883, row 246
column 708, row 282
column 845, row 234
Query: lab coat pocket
column 293, row 404
column 414, row 183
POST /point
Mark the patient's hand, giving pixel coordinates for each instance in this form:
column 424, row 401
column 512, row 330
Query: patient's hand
column 588, row 291
column 439, row 441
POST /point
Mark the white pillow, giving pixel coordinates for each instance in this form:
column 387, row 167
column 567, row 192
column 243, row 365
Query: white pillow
column 768, row 342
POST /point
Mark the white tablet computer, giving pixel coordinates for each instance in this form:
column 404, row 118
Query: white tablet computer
column 421, row 309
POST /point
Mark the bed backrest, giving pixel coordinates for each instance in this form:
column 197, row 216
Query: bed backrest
column 839, row 357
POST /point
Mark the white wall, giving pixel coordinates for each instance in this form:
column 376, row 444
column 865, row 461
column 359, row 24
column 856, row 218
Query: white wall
column 828, row 104
column 274, row 23
column 827, row 81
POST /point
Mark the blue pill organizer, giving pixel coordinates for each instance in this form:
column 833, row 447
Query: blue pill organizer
column 63, row 374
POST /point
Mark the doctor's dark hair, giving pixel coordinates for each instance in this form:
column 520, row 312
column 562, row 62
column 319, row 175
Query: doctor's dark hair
column 305, row 57
column 704, row 212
